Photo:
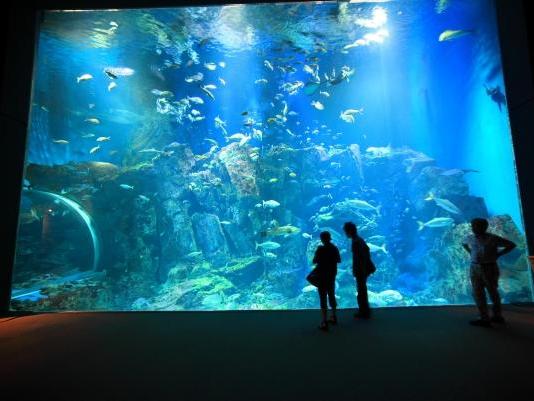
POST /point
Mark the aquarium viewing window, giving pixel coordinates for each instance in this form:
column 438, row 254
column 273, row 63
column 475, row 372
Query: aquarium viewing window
column 188, row 158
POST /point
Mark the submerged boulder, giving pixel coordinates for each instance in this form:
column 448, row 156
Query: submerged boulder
column 210, row 237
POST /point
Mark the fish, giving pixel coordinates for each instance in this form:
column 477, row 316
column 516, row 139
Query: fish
column 210, row 66
column 143, row 198
column 195, row 99
column 324, row 93
column 160, row 93
column 261, row 81
column 444, row 204
column 222, row 64
column 270, row 255
column 441, row 6
column 210, row 87
column 119, row 71
column 61, row 141
column 292, row 87
column 207, row 92
column 113, row 152
column 269, row 245
column 318, row 200
column 103, row 138
column 271, row 204
column 84, row 77
column 244, row 140
column 92, row 120
column 318, row 105
column 150, row 150
column 292, row 174
column 195, row 78
column 195, row 112
column 309, row 288
column 94, row 150
column 126, row 186
column 436, row 222
column 220, row 124
column 496, row 95
column 273, row 180
column 268, row 65
column 238, row 136
column 375, row 248
column 308, row 69
column 457, row 171
column 344, row 75
column 348, row 115
column 226, row 222
column 281, row 230
column 111, row 86
column 113, row 23
column 382, row 151
column 222, row 81
column 192, row 255
column 362, row 205
column 451, row 34
column 110, row 75
column 257, row 134
column 306, row 235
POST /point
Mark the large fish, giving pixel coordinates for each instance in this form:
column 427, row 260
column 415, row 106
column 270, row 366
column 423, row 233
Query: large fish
column 437, row 222
column 118, row 71
column 451, row 34
column 445, row 204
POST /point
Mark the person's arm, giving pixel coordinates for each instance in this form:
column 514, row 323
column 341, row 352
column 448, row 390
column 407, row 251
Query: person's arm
column 507, row 245
column 338, row 256
column 316, row 256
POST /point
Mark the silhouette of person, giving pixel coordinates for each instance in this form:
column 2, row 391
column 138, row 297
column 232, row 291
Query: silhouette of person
column 483, row 248
column 362, row 267
column 326, row 258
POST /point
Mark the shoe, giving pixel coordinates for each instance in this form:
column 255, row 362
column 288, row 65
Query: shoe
column 323, row 326
column 480, row 323
column 333, row 320
column 498, row 320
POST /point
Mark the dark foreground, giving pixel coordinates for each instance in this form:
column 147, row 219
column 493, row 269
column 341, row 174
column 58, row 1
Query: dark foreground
column 402, row 354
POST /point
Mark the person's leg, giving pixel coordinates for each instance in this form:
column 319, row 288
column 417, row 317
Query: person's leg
column 479, row 295
column 324, row 306
column 332, row 301
column 491, row 280
column 363, row 300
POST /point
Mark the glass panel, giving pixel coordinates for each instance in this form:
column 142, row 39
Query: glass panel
column 188, row 158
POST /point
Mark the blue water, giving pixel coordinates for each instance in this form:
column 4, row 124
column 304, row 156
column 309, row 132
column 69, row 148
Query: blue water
column 180, row 232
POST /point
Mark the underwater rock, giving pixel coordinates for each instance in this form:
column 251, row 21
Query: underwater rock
column 241, row 168
column 58, row 177
column 242, row 272
column 447, row 268
column 209, row 237
column 141, row 304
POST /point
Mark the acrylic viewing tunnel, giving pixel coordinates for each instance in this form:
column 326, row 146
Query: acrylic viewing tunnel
column 191, row 156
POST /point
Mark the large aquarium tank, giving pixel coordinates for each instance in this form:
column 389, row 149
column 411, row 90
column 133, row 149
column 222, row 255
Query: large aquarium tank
column 188, row 158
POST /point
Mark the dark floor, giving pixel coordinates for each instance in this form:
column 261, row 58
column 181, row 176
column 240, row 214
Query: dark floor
column 402, row 354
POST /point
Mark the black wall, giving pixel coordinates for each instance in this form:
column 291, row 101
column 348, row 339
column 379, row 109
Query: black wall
column 17, row 42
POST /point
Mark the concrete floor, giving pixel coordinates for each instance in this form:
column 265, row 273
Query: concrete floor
column 402, row 354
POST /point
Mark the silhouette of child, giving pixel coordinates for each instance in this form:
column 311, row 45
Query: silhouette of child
column 326, row 258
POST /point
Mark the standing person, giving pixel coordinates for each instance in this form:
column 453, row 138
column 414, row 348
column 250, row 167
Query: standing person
column 483, row 248
column 326, row 258
column 362, row 267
